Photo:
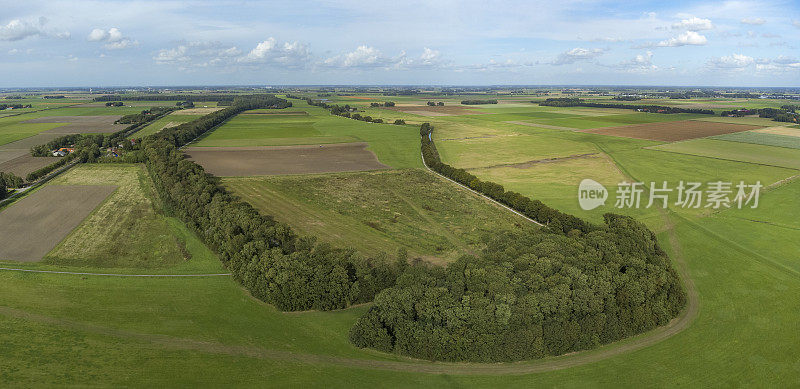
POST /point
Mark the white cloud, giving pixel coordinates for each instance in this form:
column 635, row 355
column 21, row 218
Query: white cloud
column 753, row 21
column 363, row 57
column 198, row 54
column 693, row 24
column 113, row 38
column 796, row 23
column 685, row 39
column 18, row 29
column 270, row 51
column 639, row 64
column 734, row 61
column 575, row 55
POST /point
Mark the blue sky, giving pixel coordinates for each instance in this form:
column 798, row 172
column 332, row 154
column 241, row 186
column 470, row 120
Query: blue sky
column 111, row 43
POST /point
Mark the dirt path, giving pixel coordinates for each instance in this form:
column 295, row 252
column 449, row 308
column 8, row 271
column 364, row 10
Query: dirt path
column 527, row 164
column 114, row 275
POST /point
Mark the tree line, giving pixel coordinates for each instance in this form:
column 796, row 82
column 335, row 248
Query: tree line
column 528, row 295
column 384, row 104
column 14, row 106
column 164, row 97
column 478, row 102
column 576, row 102
column 265, row 256
column 345, row 112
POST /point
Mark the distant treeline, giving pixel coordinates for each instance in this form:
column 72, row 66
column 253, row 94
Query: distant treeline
column 345, row 111
column 528, row 294
column 14, row 106
column 576, row 102
column 478, row 102
column 786, row 113
column 162, row 97
column 114, row 104
column 384, row 104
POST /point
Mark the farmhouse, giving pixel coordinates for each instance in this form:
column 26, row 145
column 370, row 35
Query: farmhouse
column 63, row 151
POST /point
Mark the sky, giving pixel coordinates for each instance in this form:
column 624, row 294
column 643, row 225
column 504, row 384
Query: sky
column 343, row 42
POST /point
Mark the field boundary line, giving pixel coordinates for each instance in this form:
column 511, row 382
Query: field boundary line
column 113, row 274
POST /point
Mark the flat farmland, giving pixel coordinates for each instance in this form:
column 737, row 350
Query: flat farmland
column 786, row 131
column 81, row 124
column 426, row 110
column 33, row 225
column 380, row 211
column 735, row 151
column 672, row 131
column 257, row 161
column 25, row 163
column 507, row 149
column 763, row 138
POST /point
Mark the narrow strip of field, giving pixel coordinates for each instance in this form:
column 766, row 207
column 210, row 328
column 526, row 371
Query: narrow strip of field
column 672, row 131
column 276, row 160
column 32, row 226
column 761, row 138
column 25, row 163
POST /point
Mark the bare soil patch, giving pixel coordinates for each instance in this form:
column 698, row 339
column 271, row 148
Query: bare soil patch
column 7, row 155
column 31, row 227
column 426, row 110
column 81, row 124
column 25, row 163
column 27, row 143
column 672, row 131
column 276, row 160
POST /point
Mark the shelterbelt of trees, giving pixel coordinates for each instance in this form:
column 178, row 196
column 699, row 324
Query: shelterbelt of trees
column 576, row 102
column 165, row 97
column 266, row 257
column 786, row 113
column 570, row 287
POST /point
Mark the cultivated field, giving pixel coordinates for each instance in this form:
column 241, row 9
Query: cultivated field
column 381, row 211
column 25, row 163
column 426, row 110
column 81, row 124
column 672, row 131
column 258, row 161
column 31, row 227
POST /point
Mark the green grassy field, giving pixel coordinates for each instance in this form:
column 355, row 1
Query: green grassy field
column 125, row 231
column 60, row 329
column 735, row 151
column 792, row 142
column 380, row 211
column 170, row 120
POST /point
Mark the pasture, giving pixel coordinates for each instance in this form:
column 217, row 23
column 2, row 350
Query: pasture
column 736, row 151
column 380, row 211
column 30, row 227
column 259, row 161
column 173, row 119
column 763, row 138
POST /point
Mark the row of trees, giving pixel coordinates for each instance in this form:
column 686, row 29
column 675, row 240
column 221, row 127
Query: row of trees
column 163, row 97
column 144, row 116
column 265, row 256
column 528, row 295
column 784, row 114
column 14, row 106
column 345, row 111
column 385, row 104
column 8, row 180
column 534, row 209
column 435, row 104
column 114, row 104
column 576, row 102
column 478, row 102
